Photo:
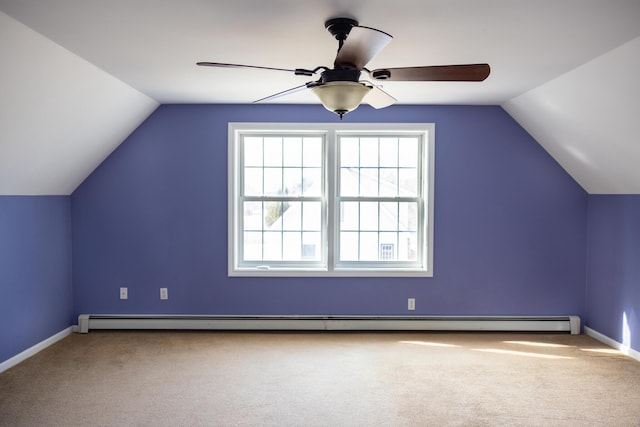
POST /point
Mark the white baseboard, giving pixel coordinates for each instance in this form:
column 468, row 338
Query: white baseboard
column 624, row 349
column 569, row 324
column 20, row 357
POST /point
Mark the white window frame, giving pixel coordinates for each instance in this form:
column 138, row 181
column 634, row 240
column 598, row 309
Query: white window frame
column 327, row 266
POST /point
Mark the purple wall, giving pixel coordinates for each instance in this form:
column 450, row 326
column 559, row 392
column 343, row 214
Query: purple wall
column 510, row 223
column 35, row 270
column 613, row 284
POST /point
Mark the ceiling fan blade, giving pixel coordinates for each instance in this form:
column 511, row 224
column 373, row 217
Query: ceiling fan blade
column 436, row 73
column 283, row 93
column 378, row 98
column 223, row 65
column 296, row 71
column 361, row 45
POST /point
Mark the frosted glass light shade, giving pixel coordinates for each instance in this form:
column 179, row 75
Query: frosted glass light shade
column 341, row 97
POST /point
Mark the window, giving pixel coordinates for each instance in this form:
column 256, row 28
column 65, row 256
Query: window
column 330, row 199
column 281, row 199
column 387, row 251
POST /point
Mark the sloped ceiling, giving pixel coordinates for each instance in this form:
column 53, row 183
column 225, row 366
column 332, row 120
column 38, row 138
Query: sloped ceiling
column 587, row 119
column 60, row 116
column 79, row 75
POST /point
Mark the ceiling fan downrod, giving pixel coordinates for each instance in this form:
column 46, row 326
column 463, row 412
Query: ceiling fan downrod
column 340, row 28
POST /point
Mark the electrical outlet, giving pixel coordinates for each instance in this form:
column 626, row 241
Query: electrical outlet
column 164, row 293
column 411, row 304
column 124, row 293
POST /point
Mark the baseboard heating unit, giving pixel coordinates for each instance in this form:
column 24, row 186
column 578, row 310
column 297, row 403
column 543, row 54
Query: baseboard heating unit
column 571, row 324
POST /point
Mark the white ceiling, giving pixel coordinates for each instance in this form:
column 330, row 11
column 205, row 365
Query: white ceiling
column 60, row 116
column 590, row 128
column 544, row 55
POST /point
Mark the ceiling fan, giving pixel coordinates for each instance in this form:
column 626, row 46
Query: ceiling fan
column 340, row 89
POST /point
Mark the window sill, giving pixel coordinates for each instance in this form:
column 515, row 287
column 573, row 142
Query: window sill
column 351, row 272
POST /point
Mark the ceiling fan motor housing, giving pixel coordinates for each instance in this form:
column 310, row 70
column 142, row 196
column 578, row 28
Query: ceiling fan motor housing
column 340, row 75
column 340, row 27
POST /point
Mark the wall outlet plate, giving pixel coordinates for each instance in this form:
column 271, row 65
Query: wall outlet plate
column 164, row 293
column 124, row 293
column 411, row 304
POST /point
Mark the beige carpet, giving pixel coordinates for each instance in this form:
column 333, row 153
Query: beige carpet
column 322, row 379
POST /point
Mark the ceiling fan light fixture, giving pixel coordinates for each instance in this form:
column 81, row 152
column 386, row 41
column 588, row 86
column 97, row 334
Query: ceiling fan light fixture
column 341, row 97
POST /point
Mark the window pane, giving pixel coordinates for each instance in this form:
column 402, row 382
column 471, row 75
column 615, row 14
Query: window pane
column 252, row 246
column 408, row 217
column 252, row 151
column 387, row 252
column 272, row 245
column 272, row 181
column 349, row 178
column 292, row 216
column 311, row 246
column 368, row 246
column 312, row 152
column 348, row 246
column 252, row 218
column 292, row 181
column 349, row 216
column 408, row 182
column 369, row 152
column 388, row 182
column 291, row 246
column 368, row 216
column 253, row 181
column 407, row 247
column 349, row 152
column 273, row 215
column 388, row 245
column 408, row 152
column 369, row 182
column 292, row 151
column 389, row 216
column 273, row 151
column 312, row 182
column 389, row 152
column 312, row 216
column 388, row 238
